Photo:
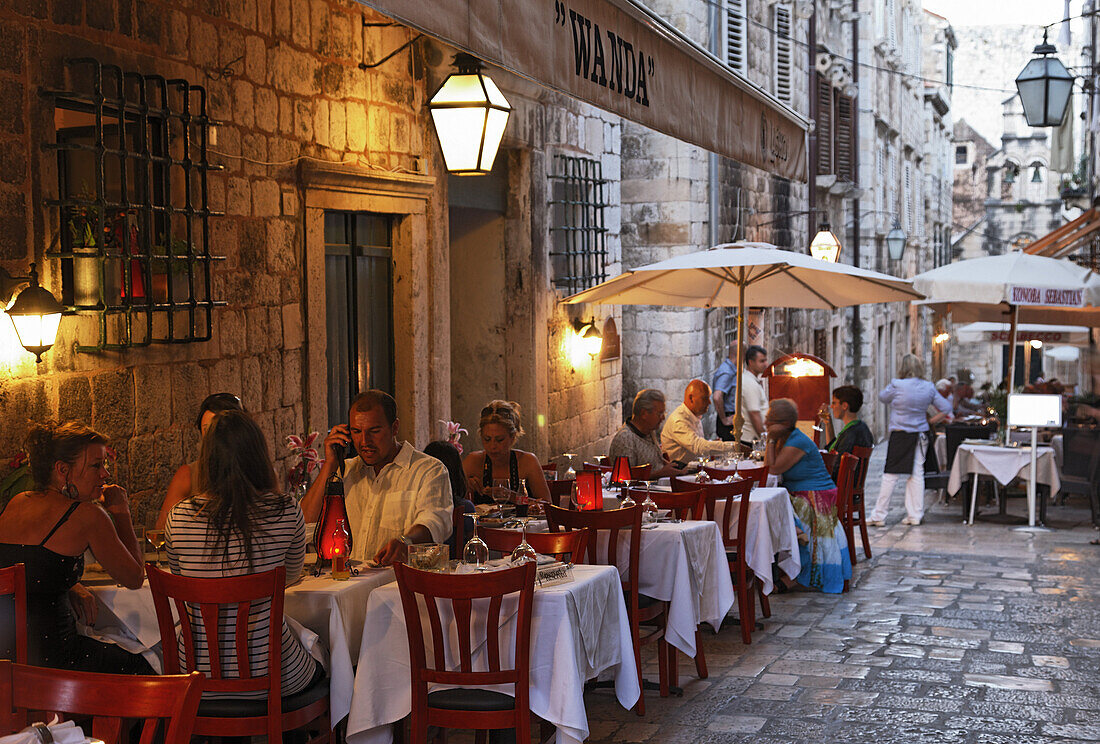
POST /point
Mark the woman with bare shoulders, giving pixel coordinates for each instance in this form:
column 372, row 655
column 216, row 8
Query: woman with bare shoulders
column 70, row 510
column 500, row 427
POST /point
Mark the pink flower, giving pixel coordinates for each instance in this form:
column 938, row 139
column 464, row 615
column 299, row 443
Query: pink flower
column 308, row 457
column 454, row 433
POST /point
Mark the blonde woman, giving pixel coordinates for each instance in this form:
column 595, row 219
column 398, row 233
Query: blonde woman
column 500, row 426
column 909, row 397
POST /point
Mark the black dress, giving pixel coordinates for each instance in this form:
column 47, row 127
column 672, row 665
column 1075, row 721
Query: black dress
column 51, row 624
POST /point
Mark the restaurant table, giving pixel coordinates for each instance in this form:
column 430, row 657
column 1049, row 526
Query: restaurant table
column 331, row 612
column 579, row 631
column 1022, row 436
column 684, row 564
column 1003, row 464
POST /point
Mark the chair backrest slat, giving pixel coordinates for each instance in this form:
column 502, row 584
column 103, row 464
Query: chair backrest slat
column 684, row 504
column 864, row 455
column 845, row 483
column 492, row 620
column 759, row 474
column 612, row 522
column 13, row 583
column 107, row 698
column 463, row 608
column 437, row 632
column 557, row 544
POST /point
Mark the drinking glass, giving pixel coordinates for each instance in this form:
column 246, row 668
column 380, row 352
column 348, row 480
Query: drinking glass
column 500, row 492
column 476, row 552
column 156, row 539
column 524, row 552
column 570, row 473
column 625, row 499
column 649, row 506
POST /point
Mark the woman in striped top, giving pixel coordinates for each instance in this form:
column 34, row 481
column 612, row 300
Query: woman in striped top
column 234, row 524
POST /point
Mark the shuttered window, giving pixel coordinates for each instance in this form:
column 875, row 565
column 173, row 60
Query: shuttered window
column 783, row 73
column 824, row 128
column 844, row 145
column 907, row 197
column 735, row 35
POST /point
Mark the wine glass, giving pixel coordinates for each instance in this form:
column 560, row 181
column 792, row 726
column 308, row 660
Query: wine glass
column 156, row 539
column 570, row 473
column 501, row 492
column 476, row 552
column 625, row 499
column 649, row 506
column 524, row 552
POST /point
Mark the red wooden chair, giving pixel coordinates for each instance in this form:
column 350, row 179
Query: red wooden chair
column 597, row 467
column 640, row 472
column 468, row 706
column 743, row 577
column 108, row 699
column 13, row 583
column 830, row 459
column 847, row 474
column 227, row 601
column 760, row 475
column 640, row 608
column 557, row 544
column 856, row 514
column 684, row 504
column 550, row 467
column 560, row 491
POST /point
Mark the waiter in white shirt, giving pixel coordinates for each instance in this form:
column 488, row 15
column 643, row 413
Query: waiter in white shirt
column 754, row 401
column 396, row 495
column 682, row 438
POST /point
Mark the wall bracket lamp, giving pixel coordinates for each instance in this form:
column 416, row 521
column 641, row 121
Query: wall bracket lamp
column 470, row 114
column 34, row 311
column 589, row 336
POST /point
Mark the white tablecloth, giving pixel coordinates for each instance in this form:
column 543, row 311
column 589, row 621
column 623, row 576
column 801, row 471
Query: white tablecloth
column 1003, row 463
column 1019, row 436
column 578, row 631
column 770, row 535
column 330, row 612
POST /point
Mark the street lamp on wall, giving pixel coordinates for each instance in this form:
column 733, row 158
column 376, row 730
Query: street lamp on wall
column 895, row 242
column 1044, row 86
column 470, row 114
column 35, row 312
column 825, row 245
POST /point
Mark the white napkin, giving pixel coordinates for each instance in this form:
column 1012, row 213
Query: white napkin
column 62, row 733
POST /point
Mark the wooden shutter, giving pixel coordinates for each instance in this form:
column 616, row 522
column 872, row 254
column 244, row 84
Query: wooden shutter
column 783, row 74
column 735, row 35
column 844, row 145
column 824, row 129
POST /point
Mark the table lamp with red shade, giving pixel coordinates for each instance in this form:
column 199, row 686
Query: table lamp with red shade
column 333, row 511
column 620, row 473
column 589, row 491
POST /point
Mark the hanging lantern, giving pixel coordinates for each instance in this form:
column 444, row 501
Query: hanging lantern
column 1045, row 86
column 895, row 242
column 825, row 245
column 470, row 114
column 36, row 314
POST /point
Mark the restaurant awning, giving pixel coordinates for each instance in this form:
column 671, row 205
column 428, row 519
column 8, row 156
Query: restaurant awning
column 1064, row 240
column 619, row 56
column 1000, row 333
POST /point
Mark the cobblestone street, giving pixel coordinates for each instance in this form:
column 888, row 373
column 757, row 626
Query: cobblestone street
column 983, row 635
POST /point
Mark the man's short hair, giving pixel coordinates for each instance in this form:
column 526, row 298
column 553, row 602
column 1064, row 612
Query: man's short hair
column 851, row 395
column 370, row 399
column 752, row 351
column 943, row 384
column 646, row 400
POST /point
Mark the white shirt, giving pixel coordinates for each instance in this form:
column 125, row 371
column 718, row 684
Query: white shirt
column 413, row 489
column 682, row 438
column 753, row 398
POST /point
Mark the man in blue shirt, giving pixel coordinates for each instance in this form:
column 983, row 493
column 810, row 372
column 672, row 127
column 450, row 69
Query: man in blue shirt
column 724, row 395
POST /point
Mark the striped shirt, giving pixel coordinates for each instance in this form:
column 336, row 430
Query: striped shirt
column 278, row 539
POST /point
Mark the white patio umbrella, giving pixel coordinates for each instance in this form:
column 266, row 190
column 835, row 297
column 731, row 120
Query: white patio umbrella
column 1024, row 287
column 747, row 274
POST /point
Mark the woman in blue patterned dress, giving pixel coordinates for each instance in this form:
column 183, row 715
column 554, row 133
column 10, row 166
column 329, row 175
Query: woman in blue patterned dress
column 821, row 543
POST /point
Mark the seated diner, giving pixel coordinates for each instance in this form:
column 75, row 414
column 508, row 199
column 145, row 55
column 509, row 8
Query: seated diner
column 498, row 460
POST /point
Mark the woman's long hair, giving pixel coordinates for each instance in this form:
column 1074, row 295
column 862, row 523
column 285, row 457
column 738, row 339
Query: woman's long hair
column 234, row 472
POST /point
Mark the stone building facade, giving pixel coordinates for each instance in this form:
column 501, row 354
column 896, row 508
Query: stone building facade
column 970, row 188
column 317, row 114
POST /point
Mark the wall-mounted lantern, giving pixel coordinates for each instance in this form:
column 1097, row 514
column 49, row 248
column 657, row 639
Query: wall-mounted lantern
column 470, row 114
column 825, row 245
column 895, row 242
column 35, row 312
column 588, row 337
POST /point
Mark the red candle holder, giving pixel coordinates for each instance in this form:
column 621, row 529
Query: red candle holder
column 620, row 473
column 333, row 511
column 589, row 491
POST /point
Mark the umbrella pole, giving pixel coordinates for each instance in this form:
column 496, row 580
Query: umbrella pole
column 1011, row 363
column 737, row 419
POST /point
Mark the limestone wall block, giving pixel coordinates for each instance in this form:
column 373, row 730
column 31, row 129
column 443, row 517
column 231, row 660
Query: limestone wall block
column 292, row 377
column 356, row 126
column 74, row 399
column 337, row 125
column 266, row 198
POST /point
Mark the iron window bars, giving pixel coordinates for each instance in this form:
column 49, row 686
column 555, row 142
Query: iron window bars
column 578, row 236
column 134, row 214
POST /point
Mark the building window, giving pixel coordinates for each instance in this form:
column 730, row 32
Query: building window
column 134, row 216
column 729, row 328
column 783, row 42
column 578, row 236
column 962, row 155
column 845, row 144
column 358, row 306
column 735, row 35
column 824, row 125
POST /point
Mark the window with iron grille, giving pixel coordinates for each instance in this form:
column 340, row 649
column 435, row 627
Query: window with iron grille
column 358, row 307
column 134, row 215
column 578, row 237
column 729, row 328
column 782, row 57
column 735, row 35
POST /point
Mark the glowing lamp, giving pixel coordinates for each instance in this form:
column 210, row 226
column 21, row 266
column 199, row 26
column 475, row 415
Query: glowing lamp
column 333, row 511
column 470, row 114
column 941, row 338
column 825, row 245
column 1045, row 86
column 802, row 367
column 36, row 315
column 589, row 337
column 1036, row 343
column 620, row 472
column 589, row 491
